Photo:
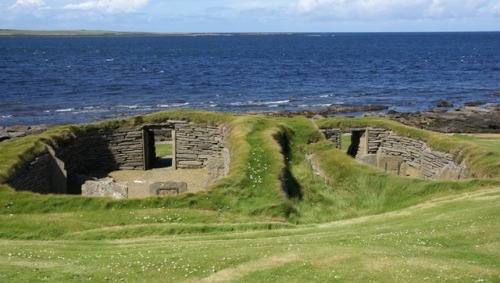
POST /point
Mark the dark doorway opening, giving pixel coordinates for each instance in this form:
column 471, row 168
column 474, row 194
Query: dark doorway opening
column 355, row 143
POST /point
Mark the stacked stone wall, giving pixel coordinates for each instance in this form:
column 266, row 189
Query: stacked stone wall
column 44, row 174
column 333, row 135
column 163, row 135
column 430, row 164
column 410, row 149
column 438, row 165
column 104, row 150
column 403, row 155
column 122, row 148
column 375, row 138
column 34, row 176
column 196, row 145
column 127, row 149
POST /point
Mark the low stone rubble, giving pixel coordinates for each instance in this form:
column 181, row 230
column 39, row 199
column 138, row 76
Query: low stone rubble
column 20, row 131
column 469, row 119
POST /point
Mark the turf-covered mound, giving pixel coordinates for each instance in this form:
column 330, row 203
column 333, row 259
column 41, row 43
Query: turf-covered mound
column 272, row 174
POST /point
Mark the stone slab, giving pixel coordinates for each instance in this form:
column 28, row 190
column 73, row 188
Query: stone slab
column 105, row 188
column 167, row 188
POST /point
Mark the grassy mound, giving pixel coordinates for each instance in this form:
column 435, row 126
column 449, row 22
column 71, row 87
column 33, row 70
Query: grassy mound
column 270, row 174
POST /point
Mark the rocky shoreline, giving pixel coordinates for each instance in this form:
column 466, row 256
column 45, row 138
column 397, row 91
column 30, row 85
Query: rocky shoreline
column 18, row 131
column 473, row 118
column 469, row 119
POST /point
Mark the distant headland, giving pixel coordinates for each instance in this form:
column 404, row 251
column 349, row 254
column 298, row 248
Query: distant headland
column 85, row 32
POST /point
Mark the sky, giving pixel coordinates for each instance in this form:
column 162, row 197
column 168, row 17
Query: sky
column 252, row 16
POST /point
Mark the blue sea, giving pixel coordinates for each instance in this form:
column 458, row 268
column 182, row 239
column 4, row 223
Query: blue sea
column 57, row 80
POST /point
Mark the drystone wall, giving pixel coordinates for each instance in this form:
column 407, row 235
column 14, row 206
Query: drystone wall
column 400, row 155
column 375, row 138
column 101, row 150
column 34, row 176
column 417, row 159
column 333, row 135
column 122, row 148
column 197, row 145
column 44, row 174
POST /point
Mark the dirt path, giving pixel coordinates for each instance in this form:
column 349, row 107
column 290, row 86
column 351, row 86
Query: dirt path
column 232, row 273
column 138, row 181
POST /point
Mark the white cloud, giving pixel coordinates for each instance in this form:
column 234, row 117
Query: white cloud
column 26, row 8
column 28, row 3
column 251, row 5
column 252, row 15
column 108, row 6
column 390, row 9
column 496, row 10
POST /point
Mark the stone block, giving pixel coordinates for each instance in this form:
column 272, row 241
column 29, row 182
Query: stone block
column 370, row 159
column 390, row 163
column 106, row 188
column 167, row 188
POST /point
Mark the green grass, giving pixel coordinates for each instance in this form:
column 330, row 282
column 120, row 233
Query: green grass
column 351, row 189
column 345, row 142
column 488, row 141
column 272, row 218
column 449, row 239
column 163, row 149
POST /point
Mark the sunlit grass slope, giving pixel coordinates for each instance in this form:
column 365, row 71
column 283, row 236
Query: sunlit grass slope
column 351, row 189
column 453, row 238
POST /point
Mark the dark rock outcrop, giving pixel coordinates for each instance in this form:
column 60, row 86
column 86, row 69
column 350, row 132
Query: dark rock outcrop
column 463, row 120
column 17, row 131
column 444, row 104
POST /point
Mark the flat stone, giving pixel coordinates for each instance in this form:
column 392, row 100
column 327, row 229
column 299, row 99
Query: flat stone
column 167, row 188
column 106, row 188
column 17, row 134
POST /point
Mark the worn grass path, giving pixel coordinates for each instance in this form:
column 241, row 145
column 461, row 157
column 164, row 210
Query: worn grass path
column 454, row 238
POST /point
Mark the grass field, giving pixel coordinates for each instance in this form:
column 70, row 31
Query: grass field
column 271, row 220
column 163, row 149
column 447, row 239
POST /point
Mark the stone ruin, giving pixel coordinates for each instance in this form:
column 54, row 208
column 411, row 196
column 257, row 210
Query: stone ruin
column 68, row 168
column 398, row 155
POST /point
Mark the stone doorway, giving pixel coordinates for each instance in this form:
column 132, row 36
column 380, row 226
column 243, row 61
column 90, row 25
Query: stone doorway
column 159, row 147
column 358, row 143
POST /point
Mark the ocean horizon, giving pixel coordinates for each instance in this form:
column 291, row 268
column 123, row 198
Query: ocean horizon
column 81, row 79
